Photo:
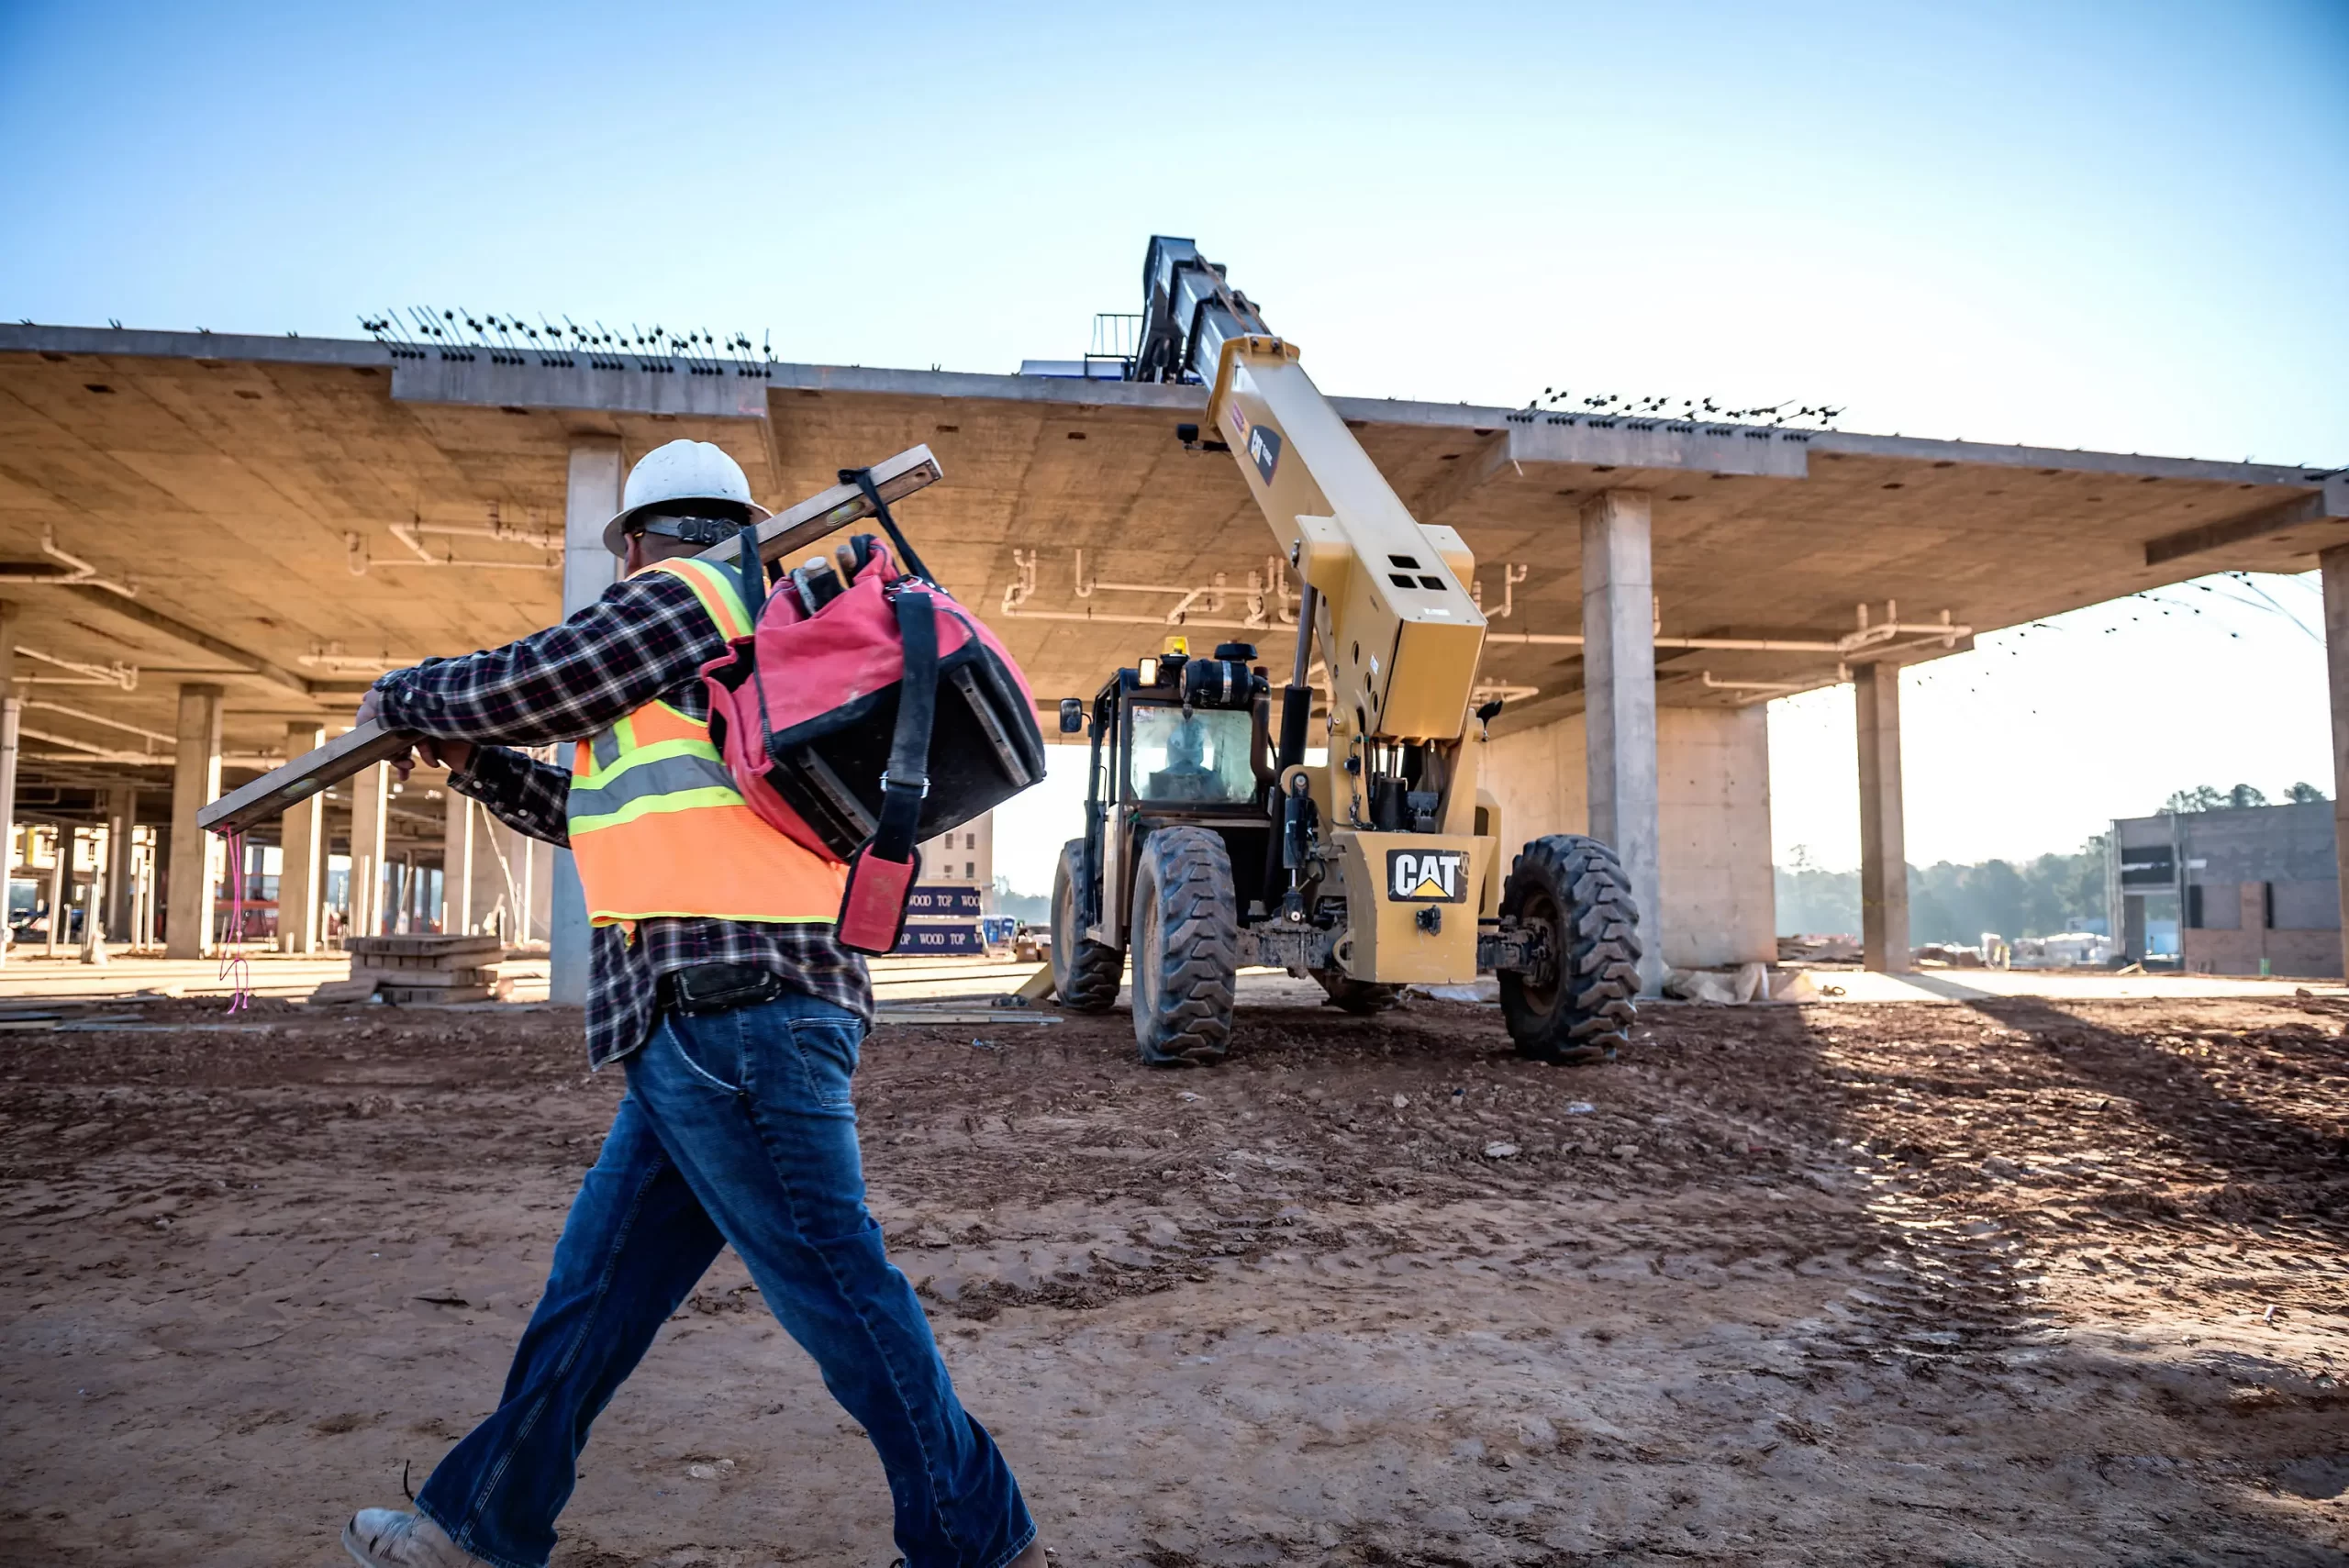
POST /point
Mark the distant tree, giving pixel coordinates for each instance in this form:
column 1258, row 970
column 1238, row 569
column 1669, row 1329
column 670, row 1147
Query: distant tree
column 2036, row 898
column 2202, row 797
column 1814, row 901
column 2304, row 795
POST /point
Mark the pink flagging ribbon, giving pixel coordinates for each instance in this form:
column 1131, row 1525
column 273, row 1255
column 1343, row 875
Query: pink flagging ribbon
column 234, row 966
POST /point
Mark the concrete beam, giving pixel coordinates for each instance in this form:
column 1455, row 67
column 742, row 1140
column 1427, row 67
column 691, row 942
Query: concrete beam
column 2333, row 567
column 195, row 637
column 1461, row 480
column 1884, row 847
column 195, row 780
column 302, row 855
column 2280, row 518
column 612, row 383
column 591, row 495
column 1614, row 441
column 543, row 375
column 1618, row 680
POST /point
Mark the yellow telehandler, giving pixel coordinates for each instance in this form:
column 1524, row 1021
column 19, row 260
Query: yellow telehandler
column 1211, row 843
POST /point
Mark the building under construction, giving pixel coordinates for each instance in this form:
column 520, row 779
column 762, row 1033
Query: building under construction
column 213, row 543
column 2252, row 890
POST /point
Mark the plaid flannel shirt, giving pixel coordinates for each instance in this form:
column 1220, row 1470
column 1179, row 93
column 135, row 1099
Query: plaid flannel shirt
column 646, row 636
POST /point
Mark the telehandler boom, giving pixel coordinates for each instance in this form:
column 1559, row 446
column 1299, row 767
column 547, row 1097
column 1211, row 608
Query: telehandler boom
column 1209, row 845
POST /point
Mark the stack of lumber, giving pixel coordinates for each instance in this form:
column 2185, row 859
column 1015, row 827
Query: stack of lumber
column 426, row 968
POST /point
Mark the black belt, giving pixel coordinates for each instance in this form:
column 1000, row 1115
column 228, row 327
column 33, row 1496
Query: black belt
column 716, row 988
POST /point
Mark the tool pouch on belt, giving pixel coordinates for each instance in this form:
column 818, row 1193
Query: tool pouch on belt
column 882, row 717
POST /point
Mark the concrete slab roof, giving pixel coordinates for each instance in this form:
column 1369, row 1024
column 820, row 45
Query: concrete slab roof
column 249, row 488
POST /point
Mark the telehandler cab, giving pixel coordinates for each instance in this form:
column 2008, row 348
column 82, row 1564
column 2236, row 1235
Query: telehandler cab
column 1210, row 845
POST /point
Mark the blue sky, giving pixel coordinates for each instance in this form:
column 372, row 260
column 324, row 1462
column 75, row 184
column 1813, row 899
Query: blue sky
column 2112, row 225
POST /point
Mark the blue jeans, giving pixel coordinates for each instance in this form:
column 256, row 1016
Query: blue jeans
column 737, row 1129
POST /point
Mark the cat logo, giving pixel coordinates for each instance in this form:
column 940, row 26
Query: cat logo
column 1427, row 876
column 1265, row 446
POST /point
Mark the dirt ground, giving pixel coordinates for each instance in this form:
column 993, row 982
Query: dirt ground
column 2007, row 1282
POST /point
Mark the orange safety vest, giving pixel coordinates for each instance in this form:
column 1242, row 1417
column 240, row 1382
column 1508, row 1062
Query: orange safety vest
column 657, row 827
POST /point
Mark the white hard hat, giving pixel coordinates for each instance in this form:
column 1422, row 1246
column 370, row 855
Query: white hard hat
column 681, row 471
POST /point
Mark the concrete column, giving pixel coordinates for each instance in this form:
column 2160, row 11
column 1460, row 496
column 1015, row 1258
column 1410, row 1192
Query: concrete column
column 94, row 921
column 303, row 857
column 540, row 887
column 499, row 896
column 1884, row 843
column 12, row 710
column 195, row 781
column 2334, row 566
column 587, row 569
column 142, row 898
column 370, row 819
column 61, row 868
column 122, row 816
column 460, row 845
column 1619, row 686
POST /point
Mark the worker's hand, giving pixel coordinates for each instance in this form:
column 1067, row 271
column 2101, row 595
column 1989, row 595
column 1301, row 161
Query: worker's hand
column 454, row 755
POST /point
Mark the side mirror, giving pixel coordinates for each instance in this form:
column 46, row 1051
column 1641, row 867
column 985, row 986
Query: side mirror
column 1072, row 717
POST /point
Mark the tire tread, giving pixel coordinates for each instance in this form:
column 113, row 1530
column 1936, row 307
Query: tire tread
column 1590, row 1010
column 1188, row 872
column 1088, row 974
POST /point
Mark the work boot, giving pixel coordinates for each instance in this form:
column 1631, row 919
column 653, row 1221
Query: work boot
column 389, row 1538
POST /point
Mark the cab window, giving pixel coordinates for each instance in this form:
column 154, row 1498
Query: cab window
column 1198, row 758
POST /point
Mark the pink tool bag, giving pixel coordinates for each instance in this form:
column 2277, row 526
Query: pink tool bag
column 866, row 712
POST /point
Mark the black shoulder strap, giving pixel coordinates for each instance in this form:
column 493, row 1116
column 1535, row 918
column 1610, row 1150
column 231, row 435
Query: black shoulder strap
column 863, row 479
column 907, row 780
column 751, row 571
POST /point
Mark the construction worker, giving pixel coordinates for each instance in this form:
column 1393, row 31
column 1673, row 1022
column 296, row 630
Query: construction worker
column 716, row 980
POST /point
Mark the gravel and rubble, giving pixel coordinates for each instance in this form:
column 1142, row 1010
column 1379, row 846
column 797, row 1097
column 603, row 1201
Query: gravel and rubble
column 2015, row 1282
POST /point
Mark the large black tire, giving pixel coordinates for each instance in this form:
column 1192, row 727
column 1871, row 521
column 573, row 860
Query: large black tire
column 1185, row 948
column 1357, row 996
column 1084, row 973
column 1577, row 887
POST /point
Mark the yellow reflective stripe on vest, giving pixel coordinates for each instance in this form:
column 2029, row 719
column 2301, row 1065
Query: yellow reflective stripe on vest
column 660, row 751
column 653, row 805
column 649, row 778
column 719, row 592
